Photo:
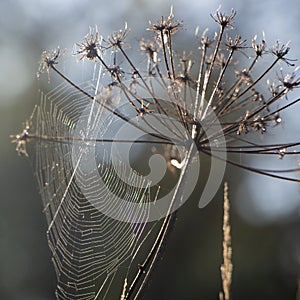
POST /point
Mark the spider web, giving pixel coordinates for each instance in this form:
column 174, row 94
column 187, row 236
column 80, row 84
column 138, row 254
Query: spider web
column 88, row 248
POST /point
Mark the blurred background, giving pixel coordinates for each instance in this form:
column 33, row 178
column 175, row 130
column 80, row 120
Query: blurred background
column 265, row 212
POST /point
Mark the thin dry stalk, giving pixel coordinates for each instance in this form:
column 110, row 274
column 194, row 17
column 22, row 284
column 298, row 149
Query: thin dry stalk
column 226, row 267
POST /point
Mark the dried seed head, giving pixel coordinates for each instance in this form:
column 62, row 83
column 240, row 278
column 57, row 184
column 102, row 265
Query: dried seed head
column 206, row 42
column 259, row 48
column 117, row 39
column 280, row 51
column 151, row 48
column 91, row 45
column 236, row 43
column 48, row 60
column 288, row 81
column 244, row 76
column 166, row 27
column 225, row 21
column 184, row 74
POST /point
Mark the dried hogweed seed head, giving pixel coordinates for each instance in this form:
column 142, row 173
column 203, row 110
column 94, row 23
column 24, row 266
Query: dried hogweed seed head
column 225, row 21
column 259, row 49
column 117, row 39
column 288, row 81
column 280, row 51
column 184, row 74
column 236, row 43
column 91, row 45
column 151, row 48
column 48, row 60
column 205, row 41
column 166, row 26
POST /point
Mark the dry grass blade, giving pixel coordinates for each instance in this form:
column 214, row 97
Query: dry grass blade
column 226, row 267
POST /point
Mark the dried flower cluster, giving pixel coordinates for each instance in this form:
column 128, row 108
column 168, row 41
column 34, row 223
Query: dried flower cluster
column 239, row 105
